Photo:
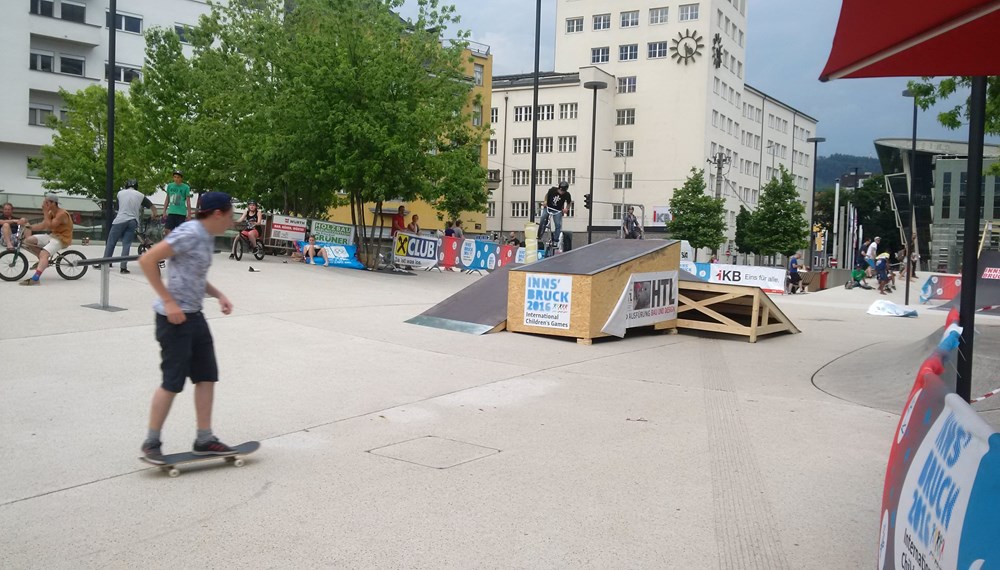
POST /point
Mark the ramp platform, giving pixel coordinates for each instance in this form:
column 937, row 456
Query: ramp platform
column 987, row 285
column 731, row 309
column 478, row 309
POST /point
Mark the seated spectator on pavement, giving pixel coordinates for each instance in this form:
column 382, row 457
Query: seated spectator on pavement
column 312, row 251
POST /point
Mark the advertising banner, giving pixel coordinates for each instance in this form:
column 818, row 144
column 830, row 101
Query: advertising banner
column 508, row 255
column 345, row 256
column 770, row 279
column 476, row 255
column 648, row 299
column 661, row 216
column 333, row 233
column 448, row 252
column 548, row 300
column 411, row 250
column 941, row 498
column 288, row 228
column 939, row 287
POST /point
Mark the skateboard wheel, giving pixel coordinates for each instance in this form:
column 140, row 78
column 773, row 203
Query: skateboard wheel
column 238, row 462
column 174, row 473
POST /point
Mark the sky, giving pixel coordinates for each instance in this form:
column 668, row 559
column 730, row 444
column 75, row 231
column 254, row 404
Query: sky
column 788, row 42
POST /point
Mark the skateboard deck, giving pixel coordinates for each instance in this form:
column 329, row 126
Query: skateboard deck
column 172, row 460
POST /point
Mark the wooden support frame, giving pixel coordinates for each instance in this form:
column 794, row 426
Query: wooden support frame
column 730, row 309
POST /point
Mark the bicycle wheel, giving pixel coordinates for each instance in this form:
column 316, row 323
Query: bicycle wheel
column 142, row 248
column 239, row 249
column 66, row 265
column 258, row 252
column 13, row 265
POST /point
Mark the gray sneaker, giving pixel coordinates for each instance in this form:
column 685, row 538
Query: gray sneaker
column 152, row 453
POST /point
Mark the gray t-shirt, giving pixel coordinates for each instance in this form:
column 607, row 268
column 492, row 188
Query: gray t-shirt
column 130, row 203
column 188, row 273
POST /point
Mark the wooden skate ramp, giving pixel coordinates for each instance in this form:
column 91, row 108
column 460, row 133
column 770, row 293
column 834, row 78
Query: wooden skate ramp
column 480, row 308
column 732, row 309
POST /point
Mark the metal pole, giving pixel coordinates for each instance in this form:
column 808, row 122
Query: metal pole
column 836, row 223
column 593, row 145
column 534, row 112
column 109, row 166
column 970, row 263
column 909, row 193
column 812, row 201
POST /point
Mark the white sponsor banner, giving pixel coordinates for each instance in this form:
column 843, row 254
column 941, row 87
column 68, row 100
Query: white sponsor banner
column 687, row 252
column 548, row 300
column 770, row 279
column 648, row 299
column 661, row 216
column 288, row 228
column 411, row 250
column 332, row 232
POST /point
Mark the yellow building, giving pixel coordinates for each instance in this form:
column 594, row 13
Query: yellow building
column 478, row 63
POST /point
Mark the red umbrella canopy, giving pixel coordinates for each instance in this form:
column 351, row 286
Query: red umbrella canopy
column 913, row 38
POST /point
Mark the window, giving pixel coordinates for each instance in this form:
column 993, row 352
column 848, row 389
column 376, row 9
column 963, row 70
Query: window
column 715, row 120
column 574, row 25
column 123, row 73
column 543, row 177
column 567, row 174
column 739, row 69
column 491, row 209
column 124, row 23
column 630, row 19
column 522, row 113
column 718, row 17
column 42, row 7
column 567, row 110
column 519, row 209
column 546, row 112
column 522, row 146
column 741, row 39
column 625, row 117
column 571, row 211
column 657, row 50
column 477, row 114
column 494, row 115
column 602, row 22
column 626, row 84
column 544, row 144
column 73, row 12
column 567, row 144
column 181, row 31
column 492, row 147
column 600, row 55
column 628, row 52
column 623, row 180
column 32, row 164
column 658, row 15
column 996, row 197
column 38, row 114
column 616, row 211
column 40, row 62
column 477, row 73
column 71, row 65
column 688, row 12
column 520, row 178
column 624, row 148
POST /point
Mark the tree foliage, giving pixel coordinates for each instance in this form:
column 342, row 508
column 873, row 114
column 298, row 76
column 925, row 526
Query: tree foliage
column 697, row 217
column 931, row 91
column 743, row 220
column 75, row 160
column 778, row 226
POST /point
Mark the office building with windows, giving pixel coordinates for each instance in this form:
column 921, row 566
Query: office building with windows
column 48, row 45
column 676, row 97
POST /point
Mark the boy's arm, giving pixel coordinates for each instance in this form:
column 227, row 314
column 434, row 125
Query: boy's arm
column 224, row 303
column 149, row 262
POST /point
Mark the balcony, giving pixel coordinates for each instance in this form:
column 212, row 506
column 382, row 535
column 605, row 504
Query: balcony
column 493, row 180
column 65, row 30
column 51, row 82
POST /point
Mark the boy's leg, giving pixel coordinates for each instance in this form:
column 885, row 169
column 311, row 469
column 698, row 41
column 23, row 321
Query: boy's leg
column 114, row 236
column 128, row 234
column 204, row 373
column 162, row 400
column 204, row 395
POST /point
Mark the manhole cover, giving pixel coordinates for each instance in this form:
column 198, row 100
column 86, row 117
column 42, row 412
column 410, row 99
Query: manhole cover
column 434, row 452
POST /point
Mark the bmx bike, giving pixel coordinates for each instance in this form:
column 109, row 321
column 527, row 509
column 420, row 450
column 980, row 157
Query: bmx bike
column 242, row 244
column 14, row 264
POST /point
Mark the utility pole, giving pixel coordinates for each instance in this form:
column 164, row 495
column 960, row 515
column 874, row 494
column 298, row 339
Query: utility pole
column 719, row 160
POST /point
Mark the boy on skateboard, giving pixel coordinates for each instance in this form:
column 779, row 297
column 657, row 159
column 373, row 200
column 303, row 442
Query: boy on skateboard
column 186, row 346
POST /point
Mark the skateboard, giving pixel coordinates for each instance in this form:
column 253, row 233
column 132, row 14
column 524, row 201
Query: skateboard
column 172, row 460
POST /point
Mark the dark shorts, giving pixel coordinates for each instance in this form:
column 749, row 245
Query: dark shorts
column 174, row 220
column 186, row 350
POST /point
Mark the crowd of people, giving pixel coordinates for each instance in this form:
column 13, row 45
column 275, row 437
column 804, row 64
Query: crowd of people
column 870, row 263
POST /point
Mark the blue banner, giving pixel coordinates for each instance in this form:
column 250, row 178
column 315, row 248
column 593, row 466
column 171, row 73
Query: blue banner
column 339, row 255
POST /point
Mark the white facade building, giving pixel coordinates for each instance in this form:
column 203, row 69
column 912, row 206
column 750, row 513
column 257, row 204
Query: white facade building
column 676, row 97
column 48, row 45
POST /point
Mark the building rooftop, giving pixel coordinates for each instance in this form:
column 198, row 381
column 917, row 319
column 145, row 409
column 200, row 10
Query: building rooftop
column 527, row 79
column 779, row 102
column 935, row 146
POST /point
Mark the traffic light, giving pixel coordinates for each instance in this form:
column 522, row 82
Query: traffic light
column 586, row 201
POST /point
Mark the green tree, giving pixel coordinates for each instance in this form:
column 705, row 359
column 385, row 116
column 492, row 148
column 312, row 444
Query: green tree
column 931, row 91
column 779, row 225
column 875, row 212
column 698, row 218
column 75, row 160
column 743, row 221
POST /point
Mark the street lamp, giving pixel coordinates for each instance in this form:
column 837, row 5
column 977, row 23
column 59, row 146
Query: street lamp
column 912, row 221
column 622, row 155
column 812, row 202
column 595, row 86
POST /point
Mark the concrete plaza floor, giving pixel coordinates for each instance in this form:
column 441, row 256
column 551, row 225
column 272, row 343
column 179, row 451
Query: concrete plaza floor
column 389, row 445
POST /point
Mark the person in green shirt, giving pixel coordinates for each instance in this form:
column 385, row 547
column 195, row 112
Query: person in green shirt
column 178, row 203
